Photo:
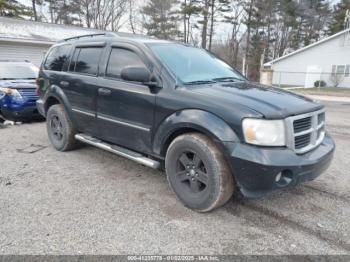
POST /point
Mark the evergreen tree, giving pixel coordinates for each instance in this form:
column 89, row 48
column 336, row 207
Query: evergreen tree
column 338, row 17
column 63, row 11
column 161, row 20
column 189, row 9
column 12, row 8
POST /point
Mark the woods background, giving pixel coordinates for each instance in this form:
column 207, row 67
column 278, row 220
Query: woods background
column 245, row 33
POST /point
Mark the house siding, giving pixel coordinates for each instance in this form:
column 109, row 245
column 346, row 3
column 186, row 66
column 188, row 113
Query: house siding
column 292, row 70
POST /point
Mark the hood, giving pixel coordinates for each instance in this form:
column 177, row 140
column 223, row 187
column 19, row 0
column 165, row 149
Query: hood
column 18, row 84
column 272, row 103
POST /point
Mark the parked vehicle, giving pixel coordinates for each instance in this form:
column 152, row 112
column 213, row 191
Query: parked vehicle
column 166, row 104
column 17, row 90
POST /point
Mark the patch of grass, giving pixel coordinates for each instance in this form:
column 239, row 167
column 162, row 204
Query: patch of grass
column 283, row 86
column 330, row 91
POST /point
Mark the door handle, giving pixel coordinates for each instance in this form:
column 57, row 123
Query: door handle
column 104, row 91
column 64, row 83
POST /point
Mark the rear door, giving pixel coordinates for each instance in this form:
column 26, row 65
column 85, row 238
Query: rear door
column 125, row 109
column 80, row 85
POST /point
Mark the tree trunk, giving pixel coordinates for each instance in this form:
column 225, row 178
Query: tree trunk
column 51, row 12
column 131, row 18
column 212, row 24
column 246, row 55
column 188, row 28
column 34, row 10
column 205, row 24
column 184, row 20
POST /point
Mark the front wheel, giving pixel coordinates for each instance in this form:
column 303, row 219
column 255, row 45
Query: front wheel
column 198, row 173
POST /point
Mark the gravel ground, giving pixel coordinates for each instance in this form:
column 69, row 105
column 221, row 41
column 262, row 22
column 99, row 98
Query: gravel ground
column 92, row 202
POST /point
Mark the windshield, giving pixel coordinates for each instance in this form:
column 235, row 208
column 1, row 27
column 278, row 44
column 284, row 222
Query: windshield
column 17, row 71
column 192, row 64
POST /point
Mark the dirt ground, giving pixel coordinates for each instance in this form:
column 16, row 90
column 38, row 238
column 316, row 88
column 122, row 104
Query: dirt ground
column 92, row 202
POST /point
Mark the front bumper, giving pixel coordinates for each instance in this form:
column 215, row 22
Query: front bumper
column 257, row 169
column 22, row 113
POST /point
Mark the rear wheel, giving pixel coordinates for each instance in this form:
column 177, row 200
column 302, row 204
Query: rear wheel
column 60, row 129
column 198, row 173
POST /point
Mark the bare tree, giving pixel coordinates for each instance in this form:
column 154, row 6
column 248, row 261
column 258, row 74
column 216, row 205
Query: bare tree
column 103, row 14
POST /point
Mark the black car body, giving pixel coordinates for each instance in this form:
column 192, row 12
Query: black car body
column 146, row 116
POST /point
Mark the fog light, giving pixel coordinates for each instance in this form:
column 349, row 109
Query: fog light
column 284, row 178
column 278, row 177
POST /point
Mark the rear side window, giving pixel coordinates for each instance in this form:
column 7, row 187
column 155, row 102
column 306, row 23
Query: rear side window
column 121, row 58
column 57, row 58
column 85, row 60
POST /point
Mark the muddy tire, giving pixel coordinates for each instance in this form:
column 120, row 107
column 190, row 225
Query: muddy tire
column 198, row 173
column 60, row 129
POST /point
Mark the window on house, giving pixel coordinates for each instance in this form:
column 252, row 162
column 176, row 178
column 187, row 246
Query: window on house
column 340, row 69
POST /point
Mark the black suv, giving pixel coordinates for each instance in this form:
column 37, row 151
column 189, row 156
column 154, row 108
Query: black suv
column 167, row 104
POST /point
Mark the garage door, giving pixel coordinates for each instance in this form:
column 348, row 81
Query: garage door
column 34, row 54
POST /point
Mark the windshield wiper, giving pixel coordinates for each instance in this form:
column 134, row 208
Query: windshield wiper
column 200, row 82
column 228, row 79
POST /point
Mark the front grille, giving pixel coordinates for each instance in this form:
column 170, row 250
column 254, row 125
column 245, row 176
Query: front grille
column 308, row 131
column 28, row 93
column 302, row 141
column 301, row 125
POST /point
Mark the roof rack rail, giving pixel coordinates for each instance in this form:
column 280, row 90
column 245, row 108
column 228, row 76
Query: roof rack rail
column 90, row 35
column 15, row 60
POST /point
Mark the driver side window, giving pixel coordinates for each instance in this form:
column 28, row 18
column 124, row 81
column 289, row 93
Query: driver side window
column 121, row 58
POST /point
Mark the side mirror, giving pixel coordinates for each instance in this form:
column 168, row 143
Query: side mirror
column 136, row 74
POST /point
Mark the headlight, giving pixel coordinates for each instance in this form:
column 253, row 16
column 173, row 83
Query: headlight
column 264, row 132
column 10, row 91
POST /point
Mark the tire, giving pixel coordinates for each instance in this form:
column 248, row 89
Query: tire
column 198, row 173
column 60, row 129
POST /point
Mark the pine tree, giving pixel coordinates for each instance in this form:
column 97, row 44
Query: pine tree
column 188, row 10
column 13, row 8
column 338, row 17
column 63, row 11
column 161, row 20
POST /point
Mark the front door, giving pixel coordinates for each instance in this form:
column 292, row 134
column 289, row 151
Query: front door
column 125, row 109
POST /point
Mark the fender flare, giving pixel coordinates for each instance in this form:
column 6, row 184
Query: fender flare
column 194, row 119
column 57, row 93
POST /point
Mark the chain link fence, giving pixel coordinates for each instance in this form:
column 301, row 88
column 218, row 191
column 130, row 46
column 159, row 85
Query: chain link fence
column 285, row 79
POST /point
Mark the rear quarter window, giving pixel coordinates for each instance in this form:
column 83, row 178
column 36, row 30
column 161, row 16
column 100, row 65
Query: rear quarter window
column 57, row 58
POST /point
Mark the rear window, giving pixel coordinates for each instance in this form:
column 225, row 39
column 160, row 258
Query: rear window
column 57, row 58
column 85, row 60
column 10, row 71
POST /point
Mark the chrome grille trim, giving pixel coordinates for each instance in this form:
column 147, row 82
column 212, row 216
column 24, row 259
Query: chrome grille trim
column 316, row 125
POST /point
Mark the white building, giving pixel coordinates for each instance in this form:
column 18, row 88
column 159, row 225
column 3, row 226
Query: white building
column 29, row 40
column 327, row 60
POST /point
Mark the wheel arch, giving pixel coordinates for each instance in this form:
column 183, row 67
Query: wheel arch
column 50, row 101
column 55, row 95
column 189, row 121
